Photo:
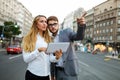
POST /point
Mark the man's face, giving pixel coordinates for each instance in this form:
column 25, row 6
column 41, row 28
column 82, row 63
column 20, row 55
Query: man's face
column 53, row 26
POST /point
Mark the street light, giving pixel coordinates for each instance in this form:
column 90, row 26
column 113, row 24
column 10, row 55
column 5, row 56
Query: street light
column 2, row 35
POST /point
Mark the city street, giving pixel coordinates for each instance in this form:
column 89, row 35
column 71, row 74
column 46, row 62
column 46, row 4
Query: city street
column 91, row 27
column 97, row 67
column 12, row 67
column 91, row 67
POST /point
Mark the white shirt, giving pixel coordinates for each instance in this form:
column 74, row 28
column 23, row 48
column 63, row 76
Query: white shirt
column 39, row 62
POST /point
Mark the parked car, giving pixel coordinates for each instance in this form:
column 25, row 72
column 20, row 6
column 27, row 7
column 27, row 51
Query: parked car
column 14, row 49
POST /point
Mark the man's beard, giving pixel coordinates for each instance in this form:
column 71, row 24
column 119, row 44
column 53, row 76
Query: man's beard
column 54, row 33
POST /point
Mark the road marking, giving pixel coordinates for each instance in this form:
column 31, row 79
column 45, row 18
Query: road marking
column 107, row 59
column 83, row 63
column 15, row 56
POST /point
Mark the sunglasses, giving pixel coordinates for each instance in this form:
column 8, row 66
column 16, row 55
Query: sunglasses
column 54, row 24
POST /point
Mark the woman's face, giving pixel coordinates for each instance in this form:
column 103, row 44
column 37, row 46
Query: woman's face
column 42, row 24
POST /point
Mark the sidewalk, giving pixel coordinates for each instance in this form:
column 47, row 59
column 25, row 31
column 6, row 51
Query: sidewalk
column 112, row 57
column 2, row 49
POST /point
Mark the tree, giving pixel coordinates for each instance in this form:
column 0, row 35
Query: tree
column 1, row 27
column 10, row 29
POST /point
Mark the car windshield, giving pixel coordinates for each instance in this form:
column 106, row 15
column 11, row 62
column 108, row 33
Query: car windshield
column 12, row 46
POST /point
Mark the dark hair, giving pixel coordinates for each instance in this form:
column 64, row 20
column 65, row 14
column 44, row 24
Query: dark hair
column 54, row 18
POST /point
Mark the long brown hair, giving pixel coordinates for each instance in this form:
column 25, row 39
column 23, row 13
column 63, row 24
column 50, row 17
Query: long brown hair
column 29, row 40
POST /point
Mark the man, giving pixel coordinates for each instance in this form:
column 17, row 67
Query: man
column 67, row 66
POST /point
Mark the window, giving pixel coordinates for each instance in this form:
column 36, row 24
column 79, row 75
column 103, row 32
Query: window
column 110, row 7
column 103, row 31
column 110, row 37
column 103, row 38
column 111, row 22
column 105, row 9
column 104, row 24
column 95, row 26
column 99, row 38
column 107, row 30
column 118, row 37
column 108, row 23
column 100, row 24
column 119, row 13
column 118, row 29
column 111, row 30
column 118, row 21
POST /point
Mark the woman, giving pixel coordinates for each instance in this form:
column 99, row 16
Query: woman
column 34, row 47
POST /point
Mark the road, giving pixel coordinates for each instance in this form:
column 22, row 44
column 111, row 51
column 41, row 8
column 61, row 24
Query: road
column 12, row 67
column 97, row 67
column 91, row 67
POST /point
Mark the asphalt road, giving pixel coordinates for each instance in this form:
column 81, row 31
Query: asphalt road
column 12, row 67
column 91, row 67
column 97, row 67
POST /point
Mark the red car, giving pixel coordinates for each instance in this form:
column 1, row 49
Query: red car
column 14, row 49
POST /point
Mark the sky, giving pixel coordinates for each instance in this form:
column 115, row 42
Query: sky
column 59, row 8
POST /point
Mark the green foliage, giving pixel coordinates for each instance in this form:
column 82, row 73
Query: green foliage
column 1, row 27
column 119, row 56
column 10, row 30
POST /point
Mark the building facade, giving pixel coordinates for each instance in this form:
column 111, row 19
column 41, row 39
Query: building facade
column 89, row 25
column 107, row 23
column 68, row 21
column 12, row 10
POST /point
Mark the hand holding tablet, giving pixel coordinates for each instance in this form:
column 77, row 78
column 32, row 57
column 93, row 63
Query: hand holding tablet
column 52, row 47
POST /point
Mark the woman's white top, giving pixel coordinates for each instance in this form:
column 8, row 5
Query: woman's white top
column 39, row 62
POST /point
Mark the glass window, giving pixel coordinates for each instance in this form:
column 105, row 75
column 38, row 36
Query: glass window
column 103, row 31
column 118, row 37
column 118, row 29
column 111, row 30
column 119, row 13
column 112, row 22
column 110, row 37
column 95, row 26
column 107, row 30
column 100, row 24
column 118, row 21
column 103, row 38
column 108, row 23
column 104, row 24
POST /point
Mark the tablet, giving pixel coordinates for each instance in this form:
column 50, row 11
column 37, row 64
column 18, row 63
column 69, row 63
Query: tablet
column 52, row 47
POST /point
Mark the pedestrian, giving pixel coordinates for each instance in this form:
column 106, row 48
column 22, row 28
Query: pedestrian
column 67, row 66
column 34, row 50
column 114, row 52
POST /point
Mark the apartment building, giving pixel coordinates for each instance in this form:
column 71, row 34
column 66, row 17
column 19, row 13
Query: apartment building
column 77, row 14
column 68, row 21
column 12, row 10
column 107, row 23
column 89, row 25
column 102, row 23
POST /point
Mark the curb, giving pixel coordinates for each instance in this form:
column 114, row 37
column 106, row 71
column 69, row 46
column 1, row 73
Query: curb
column 112, row 57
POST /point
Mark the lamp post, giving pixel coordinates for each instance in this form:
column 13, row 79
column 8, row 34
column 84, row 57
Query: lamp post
column 2, row 35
